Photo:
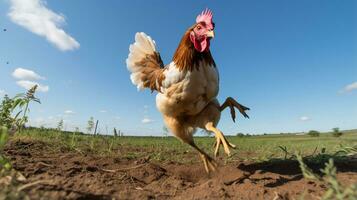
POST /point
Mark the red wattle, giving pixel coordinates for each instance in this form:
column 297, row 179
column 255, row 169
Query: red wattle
column 200, row 46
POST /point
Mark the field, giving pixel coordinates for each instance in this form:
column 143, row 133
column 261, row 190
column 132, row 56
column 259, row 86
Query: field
column 57, row 165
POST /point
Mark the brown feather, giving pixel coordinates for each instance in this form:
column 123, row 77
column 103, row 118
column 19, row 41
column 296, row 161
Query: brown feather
column 152, row 70
column 187, row 57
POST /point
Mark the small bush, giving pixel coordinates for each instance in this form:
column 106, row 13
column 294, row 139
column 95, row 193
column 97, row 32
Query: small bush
column 336, row 132
column 314, row 133
column 240, row 134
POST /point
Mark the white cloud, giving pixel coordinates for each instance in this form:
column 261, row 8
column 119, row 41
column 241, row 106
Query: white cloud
column 102, row 111
column 29, row 84
column 2, row 92
column 350, row 87
column 37, row 18
column 304, row 118
column 25, row 74
column 69, row 112
column 39, row 120
column 27, row 79
column 147, row 120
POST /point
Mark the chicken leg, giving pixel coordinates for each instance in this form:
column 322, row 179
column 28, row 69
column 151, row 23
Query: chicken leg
column 220, row 140
column 209, row 163
column 182, row 129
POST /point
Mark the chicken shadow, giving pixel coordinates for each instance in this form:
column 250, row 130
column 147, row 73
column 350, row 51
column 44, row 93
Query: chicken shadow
column 282, row 171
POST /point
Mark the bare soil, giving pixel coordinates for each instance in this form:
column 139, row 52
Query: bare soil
column 72, row 175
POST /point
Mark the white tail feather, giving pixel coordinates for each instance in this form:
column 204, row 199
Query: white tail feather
column 142, row 46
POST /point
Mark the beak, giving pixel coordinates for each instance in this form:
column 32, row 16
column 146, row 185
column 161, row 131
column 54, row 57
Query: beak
column 210, row 34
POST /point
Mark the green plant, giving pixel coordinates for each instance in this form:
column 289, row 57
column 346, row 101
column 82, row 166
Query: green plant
column 10, row 123
column 285, row 150
column 22, row 102
column 110, row 147
column 306, row 171
column 73, row 139
column 6, row 109
column 90, row 125
column 4, row 163
column 335, row 191
column 60, row 125
column 346, row 151
column 92, row 143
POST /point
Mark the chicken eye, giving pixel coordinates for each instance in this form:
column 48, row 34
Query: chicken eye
column 198, row 27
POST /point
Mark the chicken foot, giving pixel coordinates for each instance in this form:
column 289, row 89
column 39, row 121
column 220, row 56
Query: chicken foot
column 220, row 140
column 232, row 103
column 209, row 163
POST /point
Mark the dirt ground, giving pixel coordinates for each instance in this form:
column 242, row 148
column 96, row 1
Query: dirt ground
column 71, row 175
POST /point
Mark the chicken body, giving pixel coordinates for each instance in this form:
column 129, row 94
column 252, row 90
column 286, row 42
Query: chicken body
column 187, row 92
column 188, row 99
column 187, row 87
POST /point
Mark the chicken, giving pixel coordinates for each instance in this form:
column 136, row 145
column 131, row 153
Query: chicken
column 187, row 87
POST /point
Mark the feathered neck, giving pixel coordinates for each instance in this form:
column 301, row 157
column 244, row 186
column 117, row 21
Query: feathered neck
column 188, row 58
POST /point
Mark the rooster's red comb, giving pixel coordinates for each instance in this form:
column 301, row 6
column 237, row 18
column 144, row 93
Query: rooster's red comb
column 206, row 16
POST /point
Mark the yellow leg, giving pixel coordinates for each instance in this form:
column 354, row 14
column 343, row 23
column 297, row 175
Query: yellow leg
column 220, row 140
column 209, row 163
column 184, row 133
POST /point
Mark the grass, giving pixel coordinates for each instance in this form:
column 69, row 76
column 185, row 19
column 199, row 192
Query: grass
column 253, row 148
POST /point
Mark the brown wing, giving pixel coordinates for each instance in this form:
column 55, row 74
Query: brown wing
column 152, row 71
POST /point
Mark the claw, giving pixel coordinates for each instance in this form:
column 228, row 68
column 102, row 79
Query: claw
column 231, row 103
column 209, row 163
column 220, row 140
column 232, row 145
column 217, row 145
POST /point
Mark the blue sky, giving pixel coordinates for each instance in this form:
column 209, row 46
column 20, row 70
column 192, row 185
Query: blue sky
column 292, row 62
